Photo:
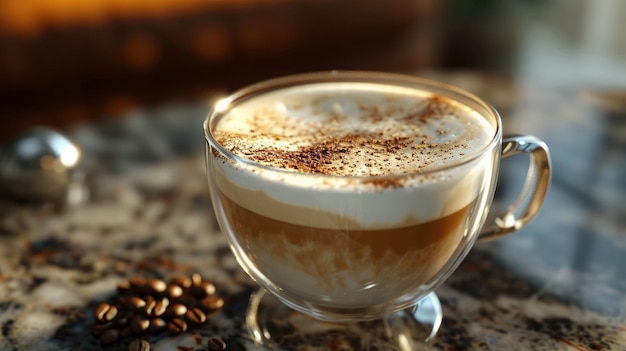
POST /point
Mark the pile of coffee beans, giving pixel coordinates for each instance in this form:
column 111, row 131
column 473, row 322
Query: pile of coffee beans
column 150, row 306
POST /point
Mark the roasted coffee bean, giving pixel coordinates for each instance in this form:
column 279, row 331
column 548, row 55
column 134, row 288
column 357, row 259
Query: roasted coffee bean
column 195, row 316
column 139, row 324
column 212, row 303
column 196, row 279
column 137, row 283
column 174, row 291
column 216, row 344
column 156, row 285
column 154, row 305
column 124, row 332
column 99, row 328
column 208, row 288
column 157, row 325
column 150, row 303
column 135, row 303
column 183, row 282
column 139, row 345
column 160, row 307
column 123, row 287
column 126, row 303
column 175, row 310
column 109, row 336
column 203, row 289
column 187, row 300
column 106, row 312
column 96, row 329
column 177, row 326
column 123, row 319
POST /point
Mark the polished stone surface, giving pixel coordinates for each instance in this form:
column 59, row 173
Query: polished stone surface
column 559, row 284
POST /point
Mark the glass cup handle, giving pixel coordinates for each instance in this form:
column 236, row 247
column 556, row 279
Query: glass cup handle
column 526, row 206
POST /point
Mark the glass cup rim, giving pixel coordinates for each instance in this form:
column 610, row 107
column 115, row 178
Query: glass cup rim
column 223, row 105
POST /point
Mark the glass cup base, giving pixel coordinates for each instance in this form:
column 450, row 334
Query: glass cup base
column 278, row 327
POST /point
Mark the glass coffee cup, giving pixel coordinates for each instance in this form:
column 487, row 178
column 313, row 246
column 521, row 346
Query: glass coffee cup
column 350, row 196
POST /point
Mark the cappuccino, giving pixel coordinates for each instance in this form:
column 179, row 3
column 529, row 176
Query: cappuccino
column 342, row 193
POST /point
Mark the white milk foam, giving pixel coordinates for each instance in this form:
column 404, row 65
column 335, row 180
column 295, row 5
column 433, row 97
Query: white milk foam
column 349, row 131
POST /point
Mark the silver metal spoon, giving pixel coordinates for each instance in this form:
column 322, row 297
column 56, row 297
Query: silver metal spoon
column 41, row 164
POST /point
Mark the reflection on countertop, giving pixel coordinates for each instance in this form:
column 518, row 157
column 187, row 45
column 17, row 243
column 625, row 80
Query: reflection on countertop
column 556, row 285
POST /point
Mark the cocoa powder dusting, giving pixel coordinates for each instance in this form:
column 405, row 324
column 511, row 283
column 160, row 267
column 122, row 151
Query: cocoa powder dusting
column 325, row 156
column 349, row 135
column 435, row 107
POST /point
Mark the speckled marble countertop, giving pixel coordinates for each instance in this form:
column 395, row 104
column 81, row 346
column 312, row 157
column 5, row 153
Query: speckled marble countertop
column 559, row 284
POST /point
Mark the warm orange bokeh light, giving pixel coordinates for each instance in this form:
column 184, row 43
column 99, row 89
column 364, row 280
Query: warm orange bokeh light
column 30, row 17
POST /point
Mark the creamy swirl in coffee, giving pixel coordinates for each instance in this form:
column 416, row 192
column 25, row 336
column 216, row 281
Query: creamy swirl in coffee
column 340, row 193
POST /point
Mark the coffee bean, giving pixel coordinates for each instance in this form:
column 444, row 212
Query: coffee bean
column 123, row 319
column 109, row 336
column 174, row 291
column 153, row 305
column 203, row 289
column 106, row 312
column 150, row 303
column 139, row 345
column 137, row 283
column 177, row 326
column 216, row 344
column 195, row 316
column 160, row 307
column 183, row 282
column 139, row 324
column 135, row 303
column 196, row 279
column 176, row 310
column 124, row 332
column 157, row 285
column 157, row 325
column 123, row 287
column 99, row 328
column 187, row 300
column 212, row 303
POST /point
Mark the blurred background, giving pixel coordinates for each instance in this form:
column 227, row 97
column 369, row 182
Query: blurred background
column 65, row 62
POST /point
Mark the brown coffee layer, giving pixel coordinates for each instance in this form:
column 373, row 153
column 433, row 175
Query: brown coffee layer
column 335, row 259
